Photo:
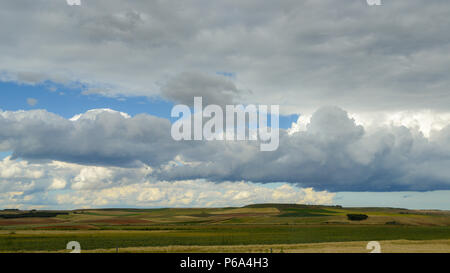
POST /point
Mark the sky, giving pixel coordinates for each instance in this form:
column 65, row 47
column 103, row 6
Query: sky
column 86, row 94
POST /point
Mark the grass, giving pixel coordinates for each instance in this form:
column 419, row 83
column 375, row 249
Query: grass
column 305, row 212
column 395, row 246
column 265, row 224
column 220, row 235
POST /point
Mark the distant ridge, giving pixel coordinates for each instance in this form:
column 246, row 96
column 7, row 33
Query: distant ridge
column 288, row 206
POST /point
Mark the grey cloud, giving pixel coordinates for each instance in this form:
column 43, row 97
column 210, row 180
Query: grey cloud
column 333, row 154
column 31, row 77
column 107, row 139
column 300, row 54
column 214, row 89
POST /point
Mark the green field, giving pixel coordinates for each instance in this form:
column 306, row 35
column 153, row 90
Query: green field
column 266, row 224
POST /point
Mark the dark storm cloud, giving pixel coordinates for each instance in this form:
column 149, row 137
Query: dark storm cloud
column 333, row 153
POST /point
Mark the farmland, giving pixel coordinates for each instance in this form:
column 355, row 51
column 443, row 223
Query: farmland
column 256, row 228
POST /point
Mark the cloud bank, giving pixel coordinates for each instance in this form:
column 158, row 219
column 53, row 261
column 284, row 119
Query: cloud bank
column 299, row 54
column 332, row 153
column 57, row 185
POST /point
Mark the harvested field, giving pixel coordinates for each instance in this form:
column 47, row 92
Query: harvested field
column 118, row 221
column 68, row 227
column 28, row 221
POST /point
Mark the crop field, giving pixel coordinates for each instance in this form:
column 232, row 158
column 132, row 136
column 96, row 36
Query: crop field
column 255, row 228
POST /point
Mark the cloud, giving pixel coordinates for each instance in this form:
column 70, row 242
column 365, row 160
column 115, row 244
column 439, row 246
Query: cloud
column 193, row 193
column 98, row 137
column 299, row 54
column 92, row 114
column 59, row 185
column 214, row 89
column 11, row 169
column 331, row 153
column 32, row 102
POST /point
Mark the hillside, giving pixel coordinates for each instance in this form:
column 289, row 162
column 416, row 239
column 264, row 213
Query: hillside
column 259, row 224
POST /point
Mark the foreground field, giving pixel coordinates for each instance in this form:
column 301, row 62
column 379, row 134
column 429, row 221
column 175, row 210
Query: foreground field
column 257, row 228
column 396, row 246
